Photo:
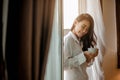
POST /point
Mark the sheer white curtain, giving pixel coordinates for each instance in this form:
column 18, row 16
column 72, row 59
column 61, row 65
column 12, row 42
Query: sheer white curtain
column 54, row 64
column 82, row 6
column 96, row 72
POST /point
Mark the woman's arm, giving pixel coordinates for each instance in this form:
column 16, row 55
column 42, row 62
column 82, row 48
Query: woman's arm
column 75, row 61
column 70, row 60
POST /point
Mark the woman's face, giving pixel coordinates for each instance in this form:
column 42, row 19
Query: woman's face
column 81, row 28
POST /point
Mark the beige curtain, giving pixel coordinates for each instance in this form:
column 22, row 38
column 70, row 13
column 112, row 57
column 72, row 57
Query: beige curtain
column 2, row 74
column 54, row 63
column 118, row 31
column 28, row 38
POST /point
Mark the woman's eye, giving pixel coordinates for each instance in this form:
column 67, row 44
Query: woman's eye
column 83, row 26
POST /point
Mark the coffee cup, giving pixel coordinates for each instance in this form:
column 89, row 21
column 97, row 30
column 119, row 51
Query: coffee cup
column 92, row 50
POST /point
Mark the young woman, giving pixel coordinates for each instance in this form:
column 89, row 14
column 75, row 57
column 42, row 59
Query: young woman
column 76, row 43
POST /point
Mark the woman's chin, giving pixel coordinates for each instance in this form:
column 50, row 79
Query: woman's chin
column 80, row 36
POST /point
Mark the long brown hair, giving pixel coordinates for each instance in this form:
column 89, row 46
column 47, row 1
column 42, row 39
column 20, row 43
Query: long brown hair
column 89, row 40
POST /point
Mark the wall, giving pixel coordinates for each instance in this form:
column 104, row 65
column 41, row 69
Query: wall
column 110, row 58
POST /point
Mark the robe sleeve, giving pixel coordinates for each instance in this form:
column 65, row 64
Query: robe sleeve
column 70, row 60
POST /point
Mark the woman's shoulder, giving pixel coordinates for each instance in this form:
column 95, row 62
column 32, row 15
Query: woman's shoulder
column 68, row 37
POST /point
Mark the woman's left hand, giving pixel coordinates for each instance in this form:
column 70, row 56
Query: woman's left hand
column 96, row 53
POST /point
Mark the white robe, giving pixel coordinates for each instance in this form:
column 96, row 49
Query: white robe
column 74, row 59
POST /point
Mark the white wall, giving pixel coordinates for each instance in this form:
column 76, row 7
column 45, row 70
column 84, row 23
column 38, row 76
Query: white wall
column 110, row 58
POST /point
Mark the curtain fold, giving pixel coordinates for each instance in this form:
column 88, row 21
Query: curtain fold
column 13, row 39
column 94, row 9
column 25, row 46
column 54, row 62
column 2, row 69
column 82, row 6
column 28, row 38
column 118, row 31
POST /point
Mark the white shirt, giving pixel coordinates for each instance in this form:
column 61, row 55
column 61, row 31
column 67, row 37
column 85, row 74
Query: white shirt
column 74, row 59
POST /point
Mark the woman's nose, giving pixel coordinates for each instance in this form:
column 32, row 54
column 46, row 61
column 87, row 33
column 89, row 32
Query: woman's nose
column 84, row 31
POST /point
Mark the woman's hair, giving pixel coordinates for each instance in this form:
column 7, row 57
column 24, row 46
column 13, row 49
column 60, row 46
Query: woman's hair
column 89, row 40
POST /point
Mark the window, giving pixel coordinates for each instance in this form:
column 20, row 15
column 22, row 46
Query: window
column 70, row 12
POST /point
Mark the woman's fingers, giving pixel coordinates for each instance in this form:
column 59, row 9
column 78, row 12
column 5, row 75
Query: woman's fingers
column 96, row 52
column 88, row 56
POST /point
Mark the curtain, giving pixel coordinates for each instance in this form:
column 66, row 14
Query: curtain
column 1, row 48
column 3, row 38
column 118, row 31
column 54, row 63
column 94, row 9
column 29, row 27
column 82, row 6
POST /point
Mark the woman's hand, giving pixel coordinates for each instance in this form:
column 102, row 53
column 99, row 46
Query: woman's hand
column 89, row 56
column 96, row 53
